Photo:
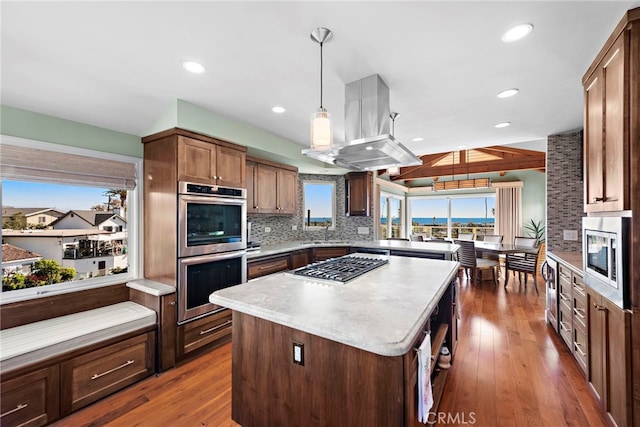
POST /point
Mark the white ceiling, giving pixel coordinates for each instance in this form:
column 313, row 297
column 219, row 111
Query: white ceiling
column 117, row 65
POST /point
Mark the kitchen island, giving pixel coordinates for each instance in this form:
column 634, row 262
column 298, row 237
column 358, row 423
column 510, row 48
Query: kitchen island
column 353, row 344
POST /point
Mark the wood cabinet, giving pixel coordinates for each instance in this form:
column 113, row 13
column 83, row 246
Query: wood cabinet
column 357, row 193
column 580, row 346
column 204, row 331
column 298, row 259
column 565, row 301
column 207, row 163
column 609, row 357
column 270, row 265
column 610, row 118
column 271, row 188
column 322, row 254
column 31, row 399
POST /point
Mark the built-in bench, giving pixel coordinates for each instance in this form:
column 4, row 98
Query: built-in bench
column 63, row 352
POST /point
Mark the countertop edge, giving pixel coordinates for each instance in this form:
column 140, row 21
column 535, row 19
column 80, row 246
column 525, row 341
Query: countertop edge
column 573, row 260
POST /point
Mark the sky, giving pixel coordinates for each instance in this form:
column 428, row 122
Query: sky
column 20, row 194
column 318, row 198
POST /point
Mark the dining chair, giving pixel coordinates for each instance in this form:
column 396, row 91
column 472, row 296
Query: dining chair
column 416, row 238
column 525, row 265
column 468, row 259
column 493, row 238
column 466, row 236
column 524, row 242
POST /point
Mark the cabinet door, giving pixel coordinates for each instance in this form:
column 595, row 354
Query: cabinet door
column 357, row 194
column 230, row 167
column 617, row 363
column 196, row 161
column 252, row 197
column 287, row 191
column 595, row 337
column 31, row 399
column 614, row 134
column 299, row 259
column 593, row 140
column 265, row 186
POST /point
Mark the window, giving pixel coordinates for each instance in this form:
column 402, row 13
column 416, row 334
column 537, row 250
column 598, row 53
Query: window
column 81, row 243
column 319, row 204
column 391, row 216
column 448, row 216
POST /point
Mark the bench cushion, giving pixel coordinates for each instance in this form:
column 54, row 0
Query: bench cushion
column 34, row 342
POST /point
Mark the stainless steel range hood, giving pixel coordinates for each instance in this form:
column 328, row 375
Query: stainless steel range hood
column 369, row 144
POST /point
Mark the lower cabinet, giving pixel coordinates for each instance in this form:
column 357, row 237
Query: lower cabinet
column 609, row 357
column 204, row 331
column 31, row 399
column 322, row 254
column 298, row 259
column 263, row 267
column 94, row 375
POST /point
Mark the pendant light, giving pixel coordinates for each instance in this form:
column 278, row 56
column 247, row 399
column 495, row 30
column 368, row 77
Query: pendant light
column 321, row 132
column 393, row 170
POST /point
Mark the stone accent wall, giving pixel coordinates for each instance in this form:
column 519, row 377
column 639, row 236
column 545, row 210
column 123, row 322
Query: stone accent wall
column 281, row 225
column 565, row 191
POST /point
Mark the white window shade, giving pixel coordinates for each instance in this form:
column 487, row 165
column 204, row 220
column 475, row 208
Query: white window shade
column 26, row 164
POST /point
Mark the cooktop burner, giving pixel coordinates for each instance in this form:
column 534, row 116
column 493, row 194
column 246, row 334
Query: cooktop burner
column 341, row 269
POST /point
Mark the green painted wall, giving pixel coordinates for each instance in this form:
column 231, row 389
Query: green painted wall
column 40, row 127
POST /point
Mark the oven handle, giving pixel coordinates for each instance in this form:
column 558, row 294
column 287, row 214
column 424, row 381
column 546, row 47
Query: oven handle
column 213, row 257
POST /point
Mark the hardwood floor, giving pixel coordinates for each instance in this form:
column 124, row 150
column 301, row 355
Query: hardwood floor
column 510, row 369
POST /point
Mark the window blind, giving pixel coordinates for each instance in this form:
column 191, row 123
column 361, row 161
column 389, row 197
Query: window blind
column 31, row 164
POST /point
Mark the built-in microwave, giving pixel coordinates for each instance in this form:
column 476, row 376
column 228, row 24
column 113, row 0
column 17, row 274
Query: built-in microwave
column 605, row 255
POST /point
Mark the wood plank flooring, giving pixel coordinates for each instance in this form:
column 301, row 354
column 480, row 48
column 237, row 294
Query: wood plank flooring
column 510, row 369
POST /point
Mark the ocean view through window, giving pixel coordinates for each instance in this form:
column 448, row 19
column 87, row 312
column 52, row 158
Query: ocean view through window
column 319, row 204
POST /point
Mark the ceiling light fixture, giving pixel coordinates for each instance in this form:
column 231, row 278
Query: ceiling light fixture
column 516, row 33
column 194, row 67
column 393, row 170
column 278, row 110
column 508, row 93
column 503, row 125
column 321, row 132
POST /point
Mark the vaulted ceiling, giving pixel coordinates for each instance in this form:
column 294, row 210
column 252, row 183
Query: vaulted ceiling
column 494, row 159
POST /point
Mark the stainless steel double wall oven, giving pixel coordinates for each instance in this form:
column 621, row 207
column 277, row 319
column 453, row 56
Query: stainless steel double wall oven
column 212, row 245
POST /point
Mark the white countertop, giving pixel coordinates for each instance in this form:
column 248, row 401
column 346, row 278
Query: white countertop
column 380, row 312
column 447, row 248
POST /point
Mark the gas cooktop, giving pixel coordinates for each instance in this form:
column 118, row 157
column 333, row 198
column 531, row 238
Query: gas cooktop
column 342, row 269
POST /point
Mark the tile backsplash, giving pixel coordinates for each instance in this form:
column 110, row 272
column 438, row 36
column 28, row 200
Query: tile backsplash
column 282, row 225
column 565, row 192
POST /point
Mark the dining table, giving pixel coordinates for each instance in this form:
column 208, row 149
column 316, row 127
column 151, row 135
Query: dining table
column 503, row 248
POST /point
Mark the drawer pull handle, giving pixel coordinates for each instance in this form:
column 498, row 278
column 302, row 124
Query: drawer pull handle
column 599, row 307
column 579, row 348
column 563, row 297
column 269, row 267
column 564, row 326
column 579, row 312
column 124, row 365
column 16, row 409
column 215, row 328
column 578, row 288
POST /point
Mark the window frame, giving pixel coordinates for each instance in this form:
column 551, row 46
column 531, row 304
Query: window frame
column 333, row 205
column 133, row 217
column 403, row 214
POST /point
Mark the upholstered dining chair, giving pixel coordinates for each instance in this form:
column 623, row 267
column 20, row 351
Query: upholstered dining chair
column 493, row 238
column 468, row 259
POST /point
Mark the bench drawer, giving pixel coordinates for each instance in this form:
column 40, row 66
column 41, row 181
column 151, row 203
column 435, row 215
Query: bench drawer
column 31, row 399
column 94, row 375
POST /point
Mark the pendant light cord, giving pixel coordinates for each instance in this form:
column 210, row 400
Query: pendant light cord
column 321, row 74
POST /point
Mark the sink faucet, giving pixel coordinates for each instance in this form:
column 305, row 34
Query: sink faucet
column 326, row 232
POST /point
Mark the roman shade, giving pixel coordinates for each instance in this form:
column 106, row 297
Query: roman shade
column 32, row 164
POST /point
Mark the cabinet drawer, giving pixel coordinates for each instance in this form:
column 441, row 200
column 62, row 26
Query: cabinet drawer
column 566, row 326
column 321, row 254
column 94, row 375
column 579, row 287
column 31, row 399
column 580, row 349
column 564, row 273
column 268, row 266
column 580, row 313
column 204, row 331
column 565, row 299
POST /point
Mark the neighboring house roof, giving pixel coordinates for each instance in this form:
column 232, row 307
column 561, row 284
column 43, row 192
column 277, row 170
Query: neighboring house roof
column 10, row 210
column 53, row 233
column 93, row 218
column 12, row 253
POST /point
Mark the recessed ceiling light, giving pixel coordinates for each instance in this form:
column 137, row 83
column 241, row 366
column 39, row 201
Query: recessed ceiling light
column 508, row 93
column 517, row 32
column 194, row 67
column 278, row 110
column 418, row 139
column 503, row 125
column 460, row 147
column 368, row 148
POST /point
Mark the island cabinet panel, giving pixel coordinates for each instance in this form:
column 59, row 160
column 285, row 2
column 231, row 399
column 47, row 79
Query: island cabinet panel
column 31, row 399
column 336, row 385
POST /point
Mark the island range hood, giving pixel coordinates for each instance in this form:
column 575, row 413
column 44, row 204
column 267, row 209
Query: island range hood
column 368, row 144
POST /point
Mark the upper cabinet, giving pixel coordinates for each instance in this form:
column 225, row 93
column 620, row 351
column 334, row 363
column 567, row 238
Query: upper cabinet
column 357, row 187
column 207, row 163
column 611, row 117
column 272, row 188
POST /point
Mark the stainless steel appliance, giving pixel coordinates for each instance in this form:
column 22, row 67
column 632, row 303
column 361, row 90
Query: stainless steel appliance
column 342, row 269
column 211, row 219
column 550, row 275
column 212, row 242
column 200, row 276
column 605, row 256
